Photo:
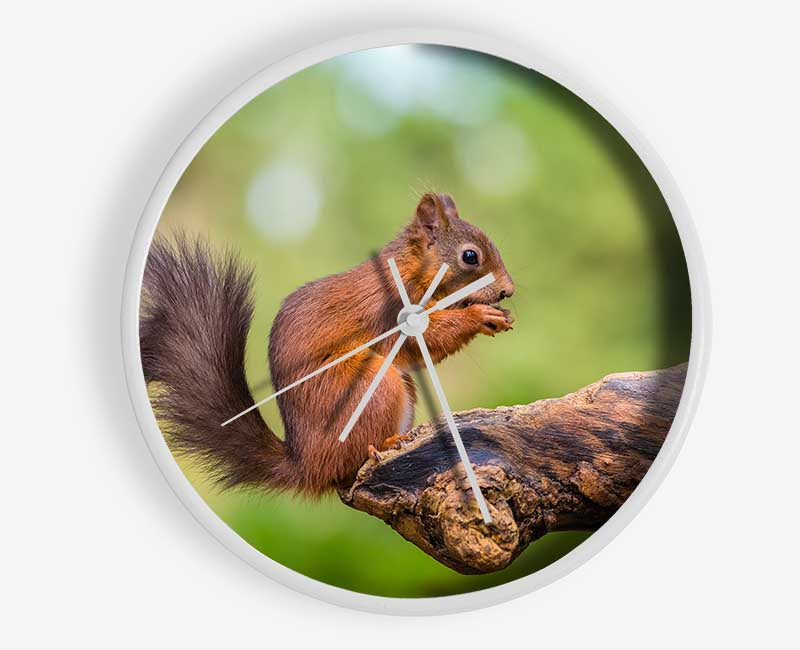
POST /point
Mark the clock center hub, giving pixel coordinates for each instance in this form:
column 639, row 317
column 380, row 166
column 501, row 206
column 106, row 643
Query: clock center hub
column 412, row 320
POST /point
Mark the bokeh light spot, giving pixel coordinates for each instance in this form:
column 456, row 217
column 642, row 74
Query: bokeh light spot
column 283, row 201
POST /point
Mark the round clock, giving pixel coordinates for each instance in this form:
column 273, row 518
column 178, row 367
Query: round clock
column 411, row 326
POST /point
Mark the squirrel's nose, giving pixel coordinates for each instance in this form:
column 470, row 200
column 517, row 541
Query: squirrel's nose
column 508, row 290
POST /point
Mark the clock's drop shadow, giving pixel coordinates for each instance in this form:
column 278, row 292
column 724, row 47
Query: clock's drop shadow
column 138, row 168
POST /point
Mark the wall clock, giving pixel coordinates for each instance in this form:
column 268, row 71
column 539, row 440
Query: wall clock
column 414, row 322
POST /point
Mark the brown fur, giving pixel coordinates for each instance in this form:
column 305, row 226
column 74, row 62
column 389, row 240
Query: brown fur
column 194, row 326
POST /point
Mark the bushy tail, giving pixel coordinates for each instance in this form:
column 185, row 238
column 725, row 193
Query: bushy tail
column 195, row 315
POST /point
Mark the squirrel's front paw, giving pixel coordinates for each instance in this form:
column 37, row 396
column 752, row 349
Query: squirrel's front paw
column 374, row 453
column 493, row 319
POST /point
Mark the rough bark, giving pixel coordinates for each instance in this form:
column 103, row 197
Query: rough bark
column 557, row 464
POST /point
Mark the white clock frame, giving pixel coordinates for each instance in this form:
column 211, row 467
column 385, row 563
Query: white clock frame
column 698, row 358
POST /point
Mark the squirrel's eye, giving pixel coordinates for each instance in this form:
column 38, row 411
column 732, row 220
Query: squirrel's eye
column 470, row 257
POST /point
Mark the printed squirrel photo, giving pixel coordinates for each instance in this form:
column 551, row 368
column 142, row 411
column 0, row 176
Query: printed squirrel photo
column 195, row 319
column 312, row 345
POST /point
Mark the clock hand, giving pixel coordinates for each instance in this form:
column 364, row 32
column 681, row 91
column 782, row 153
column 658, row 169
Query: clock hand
column 432, row 287
column 462, row 293
column 373, row 386
column 401, row 288
column 327, row 366
column 376, row 380
column 442, row 304
column 437, row 385
column 451, row 423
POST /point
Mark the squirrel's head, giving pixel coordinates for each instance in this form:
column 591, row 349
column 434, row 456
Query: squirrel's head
column 444, row 237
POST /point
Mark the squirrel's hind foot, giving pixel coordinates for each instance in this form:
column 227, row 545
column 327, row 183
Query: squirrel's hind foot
column 374, row 453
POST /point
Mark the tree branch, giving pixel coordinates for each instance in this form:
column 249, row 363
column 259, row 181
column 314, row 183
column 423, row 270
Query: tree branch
column 557, row 464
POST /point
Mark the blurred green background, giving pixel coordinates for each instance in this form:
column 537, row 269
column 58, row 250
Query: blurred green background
column 326, row 167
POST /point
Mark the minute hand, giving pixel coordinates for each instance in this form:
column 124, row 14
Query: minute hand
column 451, row 423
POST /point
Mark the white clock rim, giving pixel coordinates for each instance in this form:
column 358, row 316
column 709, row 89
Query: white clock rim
column 526, row 56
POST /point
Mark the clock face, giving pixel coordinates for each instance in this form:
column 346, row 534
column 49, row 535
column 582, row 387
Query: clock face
column 468, row 292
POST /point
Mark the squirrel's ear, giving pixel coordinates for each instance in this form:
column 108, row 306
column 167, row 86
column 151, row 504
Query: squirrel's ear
column 449, row 206
column 434, row 212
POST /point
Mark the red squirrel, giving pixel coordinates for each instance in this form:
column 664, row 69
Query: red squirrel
column 194, row 321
